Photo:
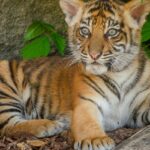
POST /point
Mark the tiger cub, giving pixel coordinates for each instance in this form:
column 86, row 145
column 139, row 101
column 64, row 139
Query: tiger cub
column 103, row 86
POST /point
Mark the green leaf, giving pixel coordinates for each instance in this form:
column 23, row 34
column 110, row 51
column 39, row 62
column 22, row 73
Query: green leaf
column 59, row 41
column 37, row 48
column 146, row 31
column 34, row 30
column 48, row 27
column 147, row 51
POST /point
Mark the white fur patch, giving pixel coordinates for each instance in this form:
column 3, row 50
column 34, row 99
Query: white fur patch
column 96, row 69
column 26, row 93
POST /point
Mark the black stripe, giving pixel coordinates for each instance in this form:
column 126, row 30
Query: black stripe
column 96, row 8
column 10, row 111
column 42, row 111
column 117, row 50
column 108, row 7
column 86, row 21
column 34, row 65
column 111, row 22
column 125, row 35
column 35, row 98
column 28, row 107
column 92, row 101
column 148, row 117
column 95, row 89
column 138, row 75
column 120, row 45
column 137, row 94
column 24, row 83
column 135, row 116
column 28, row 102
column 17, row 122
column 135, row 112
column 38, row 86
column 119, row 38
column 16, row 105
column 111, row 85
column 145, row 116
column 12, row 73
column 128, row 78
column 131, row 37
column 5, row 95
column 2, row 80
column 2, row 124
column 94, row 86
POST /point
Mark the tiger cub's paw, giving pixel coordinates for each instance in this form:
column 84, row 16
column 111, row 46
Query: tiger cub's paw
column 101, row 143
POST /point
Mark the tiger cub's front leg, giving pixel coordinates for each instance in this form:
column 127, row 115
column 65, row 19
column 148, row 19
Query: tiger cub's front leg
column 88, row 130
column 38, row 127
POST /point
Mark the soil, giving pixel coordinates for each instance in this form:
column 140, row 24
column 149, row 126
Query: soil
column 63, row 141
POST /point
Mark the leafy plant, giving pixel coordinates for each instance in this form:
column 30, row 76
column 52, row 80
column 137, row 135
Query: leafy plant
column 39, row 39
column 146, row 36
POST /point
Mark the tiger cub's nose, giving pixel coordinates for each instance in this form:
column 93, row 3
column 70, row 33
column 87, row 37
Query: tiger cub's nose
column 95, row 55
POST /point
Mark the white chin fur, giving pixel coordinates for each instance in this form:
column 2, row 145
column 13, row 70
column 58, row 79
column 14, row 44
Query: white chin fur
column 96, row 69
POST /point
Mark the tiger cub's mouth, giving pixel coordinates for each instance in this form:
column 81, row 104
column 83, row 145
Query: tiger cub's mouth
column 96, row 68
column 95, row 63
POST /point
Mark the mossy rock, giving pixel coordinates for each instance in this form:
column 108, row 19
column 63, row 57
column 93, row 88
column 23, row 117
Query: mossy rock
column 16, row 16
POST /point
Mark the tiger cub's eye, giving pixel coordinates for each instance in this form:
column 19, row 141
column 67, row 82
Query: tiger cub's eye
column 112, row 32
column 84, row 31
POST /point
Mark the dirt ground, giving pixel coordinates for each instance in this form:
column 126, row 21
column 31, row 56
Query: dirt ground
column 59, row 142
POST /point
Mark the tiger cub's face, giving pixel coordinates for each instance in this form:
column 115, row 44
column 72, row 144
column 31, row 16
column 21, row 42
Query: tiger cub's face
column 104, row 34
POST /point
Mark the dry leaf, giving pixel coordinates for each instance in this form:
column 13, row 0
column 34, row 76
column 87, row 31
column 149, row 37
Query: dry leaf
column 23, row 146
column 36, row 143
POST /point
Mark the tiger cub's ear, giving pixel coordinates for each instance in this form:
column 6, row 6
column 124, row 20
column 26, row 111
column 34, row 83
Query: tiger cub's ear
column 72, row 9
column 135, row 12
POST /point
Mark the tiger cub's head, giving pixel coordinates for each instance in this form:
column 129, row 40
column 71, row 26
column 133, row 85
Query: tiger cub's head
column 105, row 34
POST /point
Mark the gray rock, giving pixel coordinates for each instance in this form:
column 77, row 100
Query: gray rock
column 17, row 15
column 139, row 141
